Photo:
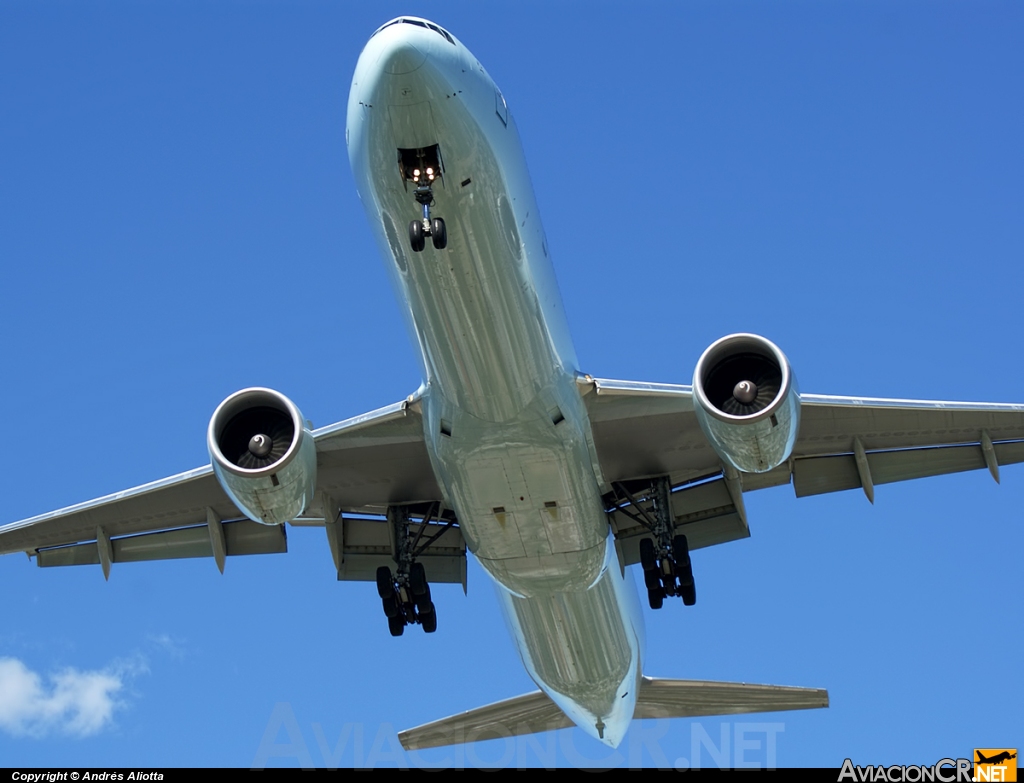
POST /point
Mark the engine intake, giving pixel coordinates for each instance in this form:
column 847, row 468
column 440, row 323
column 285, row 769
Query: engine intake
column 263, row 455
column 746, row 400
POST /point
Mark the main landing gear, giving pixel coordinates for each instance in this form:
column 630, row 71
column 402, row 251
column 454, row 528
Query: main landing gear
column 406, row 602
column 405, row 594
column 667, row 572
column 665, row 556
column 422, row 167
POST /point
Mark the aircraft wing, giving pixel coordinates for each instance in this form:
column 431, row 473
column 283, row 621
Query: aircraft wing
column 364, row 464
column 646, row 429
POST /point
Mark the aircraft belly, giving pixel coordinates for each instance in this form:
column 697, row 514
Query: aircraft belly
column 584, row 647
column 475, row 308
column 506, row 429
column 505, row 426
column 475, row 313
column 524, row 490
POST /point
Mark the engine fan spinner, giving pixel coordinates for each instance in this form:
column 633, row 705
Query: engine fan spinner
column 746, row 401
column 263, row 455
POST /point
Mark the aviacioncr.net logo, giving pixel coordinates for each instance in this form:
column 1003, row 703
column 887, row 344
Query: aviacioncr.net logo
column 942, row 771
column 995, row 764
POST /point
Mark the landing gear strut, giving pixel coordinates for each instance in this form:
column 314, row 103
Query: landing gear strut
column 423, row 167
column 665, row 556
column 405, row 594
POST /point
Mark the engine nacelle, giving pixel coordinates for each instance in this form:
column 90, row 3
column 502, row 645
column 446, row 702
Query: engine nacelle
column 746, row 400
column 263, row 455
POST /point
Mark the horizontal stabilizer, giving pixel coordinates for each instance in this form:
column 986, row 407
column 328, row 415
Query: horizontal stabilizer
column 698, row 698
column 534, row 712
column 526, row 714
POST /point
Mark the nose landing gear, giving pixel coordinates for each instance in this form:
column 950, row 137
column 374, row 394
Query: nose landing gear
column 423, row 167
column 434, row 228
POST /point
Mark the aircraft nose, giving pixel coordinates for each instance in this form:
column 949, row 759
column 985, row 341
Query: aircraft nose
column 401, row 58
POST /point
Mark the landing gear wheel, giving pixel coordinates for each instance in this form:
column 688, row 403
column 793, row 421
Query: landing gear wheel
column 655, row 598
column 648, row 560
column 681, row 551
column 423, row 602
column 685, row 578
column 416, row 238
column 651, row 580
column 390, row 606
column 418, row 580
column 385, row 584
column 681, row 555
column 689, row 594
column 429, row 620
column 396, row 625
column 438, row 233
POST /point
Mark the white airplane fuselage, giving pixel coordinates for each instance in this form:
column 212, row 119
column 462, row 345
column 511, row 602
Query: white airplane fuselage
column 505, row 425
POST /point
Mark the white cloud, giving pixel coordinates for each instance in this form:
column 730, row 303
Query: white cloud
column 69, row 701
column 164, row 642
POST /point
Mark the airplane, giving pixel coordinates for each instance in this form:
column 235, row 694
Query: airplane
column 616, row 473
column 996, row 759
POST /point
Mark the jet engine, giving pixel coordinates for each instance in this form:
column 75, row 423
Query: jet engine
column 746, row 400
column 263, row 455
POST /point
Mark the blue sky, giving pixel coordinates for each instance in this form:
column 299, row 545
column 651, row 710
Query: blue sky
column 844, row 178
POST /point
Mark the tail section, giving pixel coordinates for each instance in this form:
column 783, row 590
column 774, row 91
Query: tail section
column 526, row 714
column 534, row 712
column 698, row 698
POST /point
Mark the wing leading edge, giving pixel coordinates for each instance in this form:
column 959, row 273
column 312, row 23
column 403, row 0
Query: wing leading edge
column 645, row 430
column 364, row 465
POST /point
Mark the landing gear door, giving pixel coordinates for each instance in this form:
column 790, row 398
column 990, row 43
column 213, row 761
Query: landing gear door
column 413, row 126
